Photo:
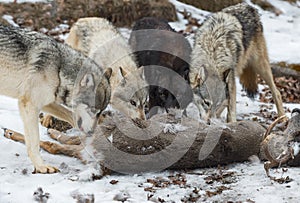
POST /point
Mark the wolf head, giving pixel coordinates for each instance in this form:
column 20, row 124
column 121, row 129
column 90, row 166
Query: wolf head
column 91, row 97
column 131, row 94
column 211, row 92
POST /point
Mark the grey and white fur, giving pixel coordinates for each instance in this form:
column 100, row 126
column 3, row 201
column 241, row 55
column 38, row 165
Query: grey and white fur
column 230, row 43
column 44, row 75
column 101, row 41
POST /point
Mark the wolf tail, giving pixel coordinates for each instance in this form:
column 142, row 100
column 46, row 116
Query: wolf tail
column 248, row 79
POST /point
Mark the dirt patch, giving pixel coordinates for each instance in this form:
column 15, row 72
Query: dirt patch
column 120, row 13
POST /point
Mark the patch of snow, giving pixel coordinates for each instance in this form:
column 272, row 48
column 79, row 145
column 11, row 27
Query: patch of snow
column 10, row 20
column 192, row 111
column 196, row 13
column 174, row 128
column 296, row 148
column 281, row 32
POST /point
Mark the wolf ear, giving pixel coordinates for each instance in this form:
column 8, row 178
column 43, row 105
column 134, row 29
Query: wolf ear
column 201, row 75
column 198, row 80
column 226, row 74
column 107, row 74
column 122, row 72
column 73, row 38
column 87, row 80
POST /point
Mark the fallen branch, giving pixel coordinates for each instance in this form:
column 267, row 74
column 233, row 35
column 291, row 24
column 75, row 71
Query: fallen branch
column 69, row 148
column 286, row 70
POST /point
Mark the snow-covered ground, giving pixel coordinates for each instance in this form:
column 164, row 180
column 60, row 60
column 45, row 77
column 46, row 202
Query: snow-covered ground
column 282, row 33
column 249, row 182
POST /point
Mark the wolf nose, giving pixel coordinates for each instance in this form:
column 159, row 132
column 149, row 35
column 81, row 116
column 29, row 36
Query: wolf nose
column 90, row 133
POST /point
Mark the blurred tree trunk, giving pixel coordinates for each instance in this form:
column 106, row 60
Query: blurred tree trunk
column 211, row 5
column 286, row 70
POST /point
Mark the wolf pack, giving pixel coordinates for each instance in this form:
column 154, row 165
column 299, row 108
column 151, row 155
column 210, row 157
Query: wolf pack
column 155, row 70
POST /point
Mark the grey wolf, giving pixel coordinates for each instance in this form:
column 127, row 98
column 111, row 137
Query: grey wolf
column 230, row 43
column 158, row 47
column 45, row 75
column 98, row 39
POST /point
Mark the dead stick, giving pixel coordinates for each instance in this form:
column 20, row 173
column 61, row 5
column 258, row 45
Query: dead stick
column 52, row 148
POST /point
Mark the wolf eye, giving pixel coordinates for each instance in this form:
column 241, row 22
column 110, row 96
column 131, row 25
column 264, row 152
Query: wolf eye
column 98, row 114
column 207, row 103
column 132, row 102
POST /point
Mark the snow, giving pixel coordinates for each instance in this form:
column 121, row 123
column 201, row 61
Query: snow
column 17, row 184
column 173, row 128
column 296, row 148
column 283, row 38
column 10, row 20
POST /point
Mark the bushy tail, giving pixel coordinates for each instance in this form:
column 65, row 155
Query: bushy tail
column 249, row 81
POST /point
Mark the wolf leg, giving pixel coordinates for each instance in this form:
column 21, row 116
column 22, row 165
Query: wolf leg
column 29, row 114
column 59, row 112
column 231, row 114
column 264, row 70
column 268, row 78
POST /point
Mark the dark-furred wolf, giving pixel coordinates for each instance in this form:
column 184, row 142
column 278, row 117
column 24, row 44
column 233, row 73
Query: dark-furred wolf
column 230, row 43
column 49, row 76
column 153, row 41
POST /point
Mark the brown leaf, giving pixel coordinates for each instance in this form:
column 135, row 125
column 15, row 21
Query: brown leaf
column 113, row 182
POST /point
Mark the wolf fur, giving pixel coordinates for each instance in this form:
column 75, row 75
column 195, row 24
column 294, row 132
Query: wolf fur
column 45, row 75
column 98, row 39
column 231, row 43
column 159, row 49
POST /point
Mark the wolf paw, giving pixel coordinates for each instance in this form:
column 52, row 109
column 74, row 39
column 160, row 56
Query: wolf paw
column 45, row 169
column 47, row 121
